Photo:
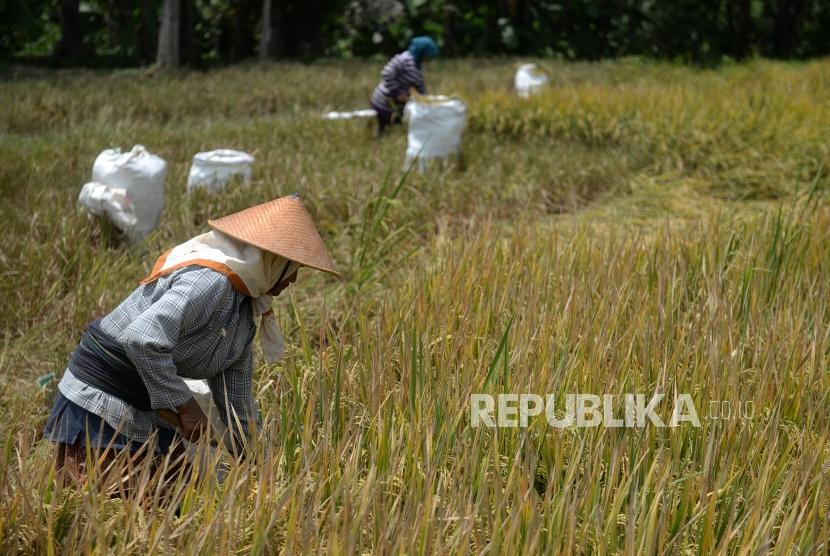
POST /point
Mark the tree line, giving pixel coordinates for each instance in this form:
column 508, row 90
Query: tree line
column 200, row 33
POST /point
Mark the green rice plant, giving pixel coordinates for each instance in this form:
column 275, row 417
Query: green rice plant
column 745, row 141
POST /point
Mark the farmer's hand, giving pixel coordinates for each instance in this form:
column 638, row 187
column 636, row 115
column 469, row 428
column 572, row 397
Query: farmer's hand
column 402, row 98
column 194, row 421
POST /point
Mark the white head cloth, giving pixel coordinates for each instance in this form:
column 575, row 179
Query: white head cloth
column 257, row 269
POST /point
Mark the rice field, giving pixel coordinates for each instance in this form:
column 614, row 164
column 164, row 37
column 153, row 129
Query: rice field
column 637, row 228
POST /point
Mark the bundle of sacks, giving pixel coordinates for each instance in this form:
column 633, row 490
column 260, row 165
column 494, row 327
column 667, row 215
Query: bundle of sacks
column 127, row 189
column 367, row 113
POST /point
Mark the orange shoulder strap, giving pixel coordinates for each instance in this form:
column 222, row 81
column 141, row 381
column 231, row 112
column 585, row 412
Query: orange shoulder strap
column 224, row 269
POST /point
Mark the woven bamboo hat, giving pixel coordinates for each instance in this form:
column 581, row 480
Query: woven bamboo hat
column 283, row 227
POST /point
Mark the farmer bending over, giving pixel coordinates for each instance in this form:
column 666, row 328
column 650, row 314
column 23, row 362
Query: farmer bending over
column 192, row 317
column 399, row 75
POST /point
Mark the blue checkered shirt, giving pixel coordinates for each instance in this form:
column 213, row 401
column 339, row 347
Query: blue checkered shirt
column 192, row 324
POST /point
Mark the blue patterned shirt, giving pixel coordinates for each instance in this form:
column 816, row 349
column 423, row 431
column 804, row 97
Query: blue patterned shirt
column 192, row 324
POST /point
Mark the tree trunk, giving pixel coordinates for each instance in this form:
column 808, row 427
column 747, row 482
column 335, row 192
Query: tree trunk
column 741, row 28
column 265, row 49
column 168, row 52
column 70, row 48
column 145, row 30
column 277, row 34
column 190, row 48
column 787, row 15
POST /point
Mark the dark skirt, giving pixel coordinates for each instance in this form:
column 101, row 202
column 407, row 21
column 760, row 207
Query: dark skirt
column 387, row 115
column 70, row 423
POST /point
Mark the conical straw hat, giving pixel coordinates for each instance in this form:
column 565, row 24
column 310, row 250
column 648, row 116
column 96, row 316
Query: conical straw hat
column 283, row 227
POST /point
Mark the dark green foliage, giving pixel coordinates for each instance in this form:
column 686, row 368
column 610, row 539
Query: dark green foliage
column 125, row 32
column 21, row 22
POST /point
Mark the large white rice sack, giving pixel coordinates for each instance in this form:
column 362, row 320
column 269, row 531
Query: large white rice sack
column 529, row 80
column 135, row 182
column 435, row 127
column 213, row 170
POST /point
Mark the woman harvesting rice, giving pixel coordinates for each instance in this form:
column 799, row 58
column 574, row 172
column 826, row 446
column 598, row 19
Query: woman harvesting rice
column 399, row 75
column 192, row 317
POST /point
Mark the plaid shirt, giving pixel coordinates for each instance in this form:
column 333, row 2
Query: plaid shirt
column 192, row 324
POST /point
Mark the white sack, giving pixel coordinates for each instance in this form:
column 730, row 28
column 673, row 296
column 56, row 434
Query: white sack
column 435, row 127
column 529, row 80
column 113, row 203
column 367, row 113
column 202, row 395
column 140, row 175
column 213, row 170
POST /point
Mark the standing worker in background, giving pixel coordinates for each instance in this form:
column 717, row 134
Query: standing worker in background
column 399, row 75
column 192, row 317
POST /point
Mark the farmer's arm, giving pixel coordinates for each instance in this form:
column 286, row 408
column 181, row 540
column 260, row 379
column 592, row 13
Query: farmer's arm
column 150, row 339
column 412, row 75
column 232, row 392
